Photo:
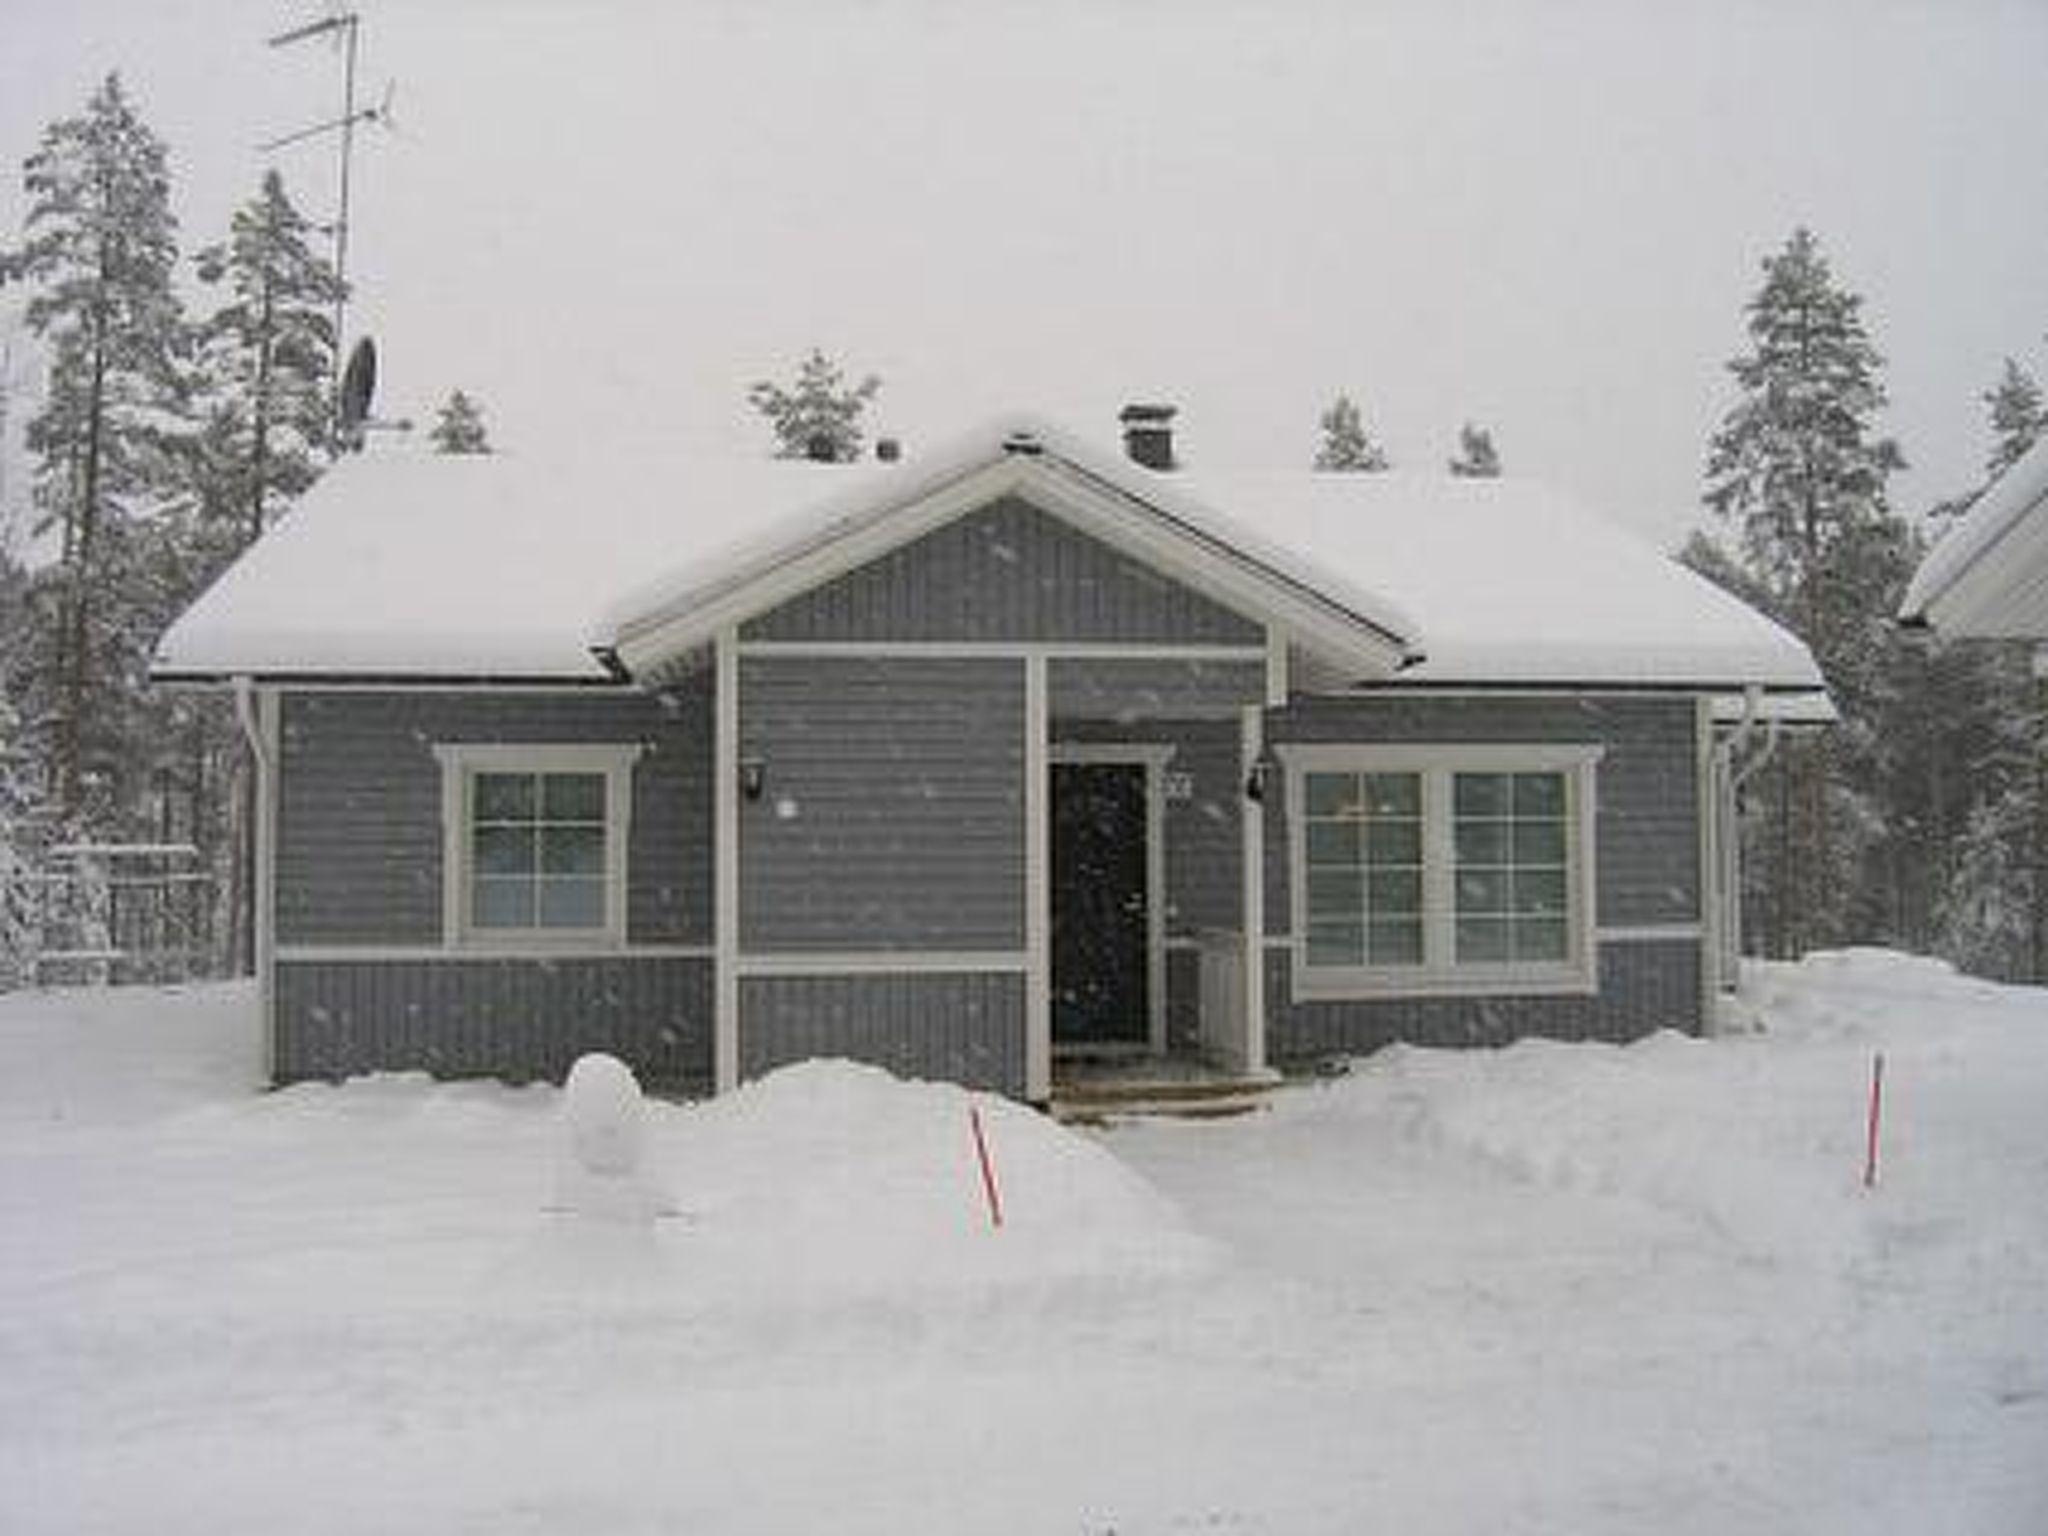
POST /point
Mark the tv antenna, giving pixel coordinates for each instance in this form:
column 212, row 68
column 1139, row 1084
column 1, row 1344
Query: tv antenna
column 342, row 27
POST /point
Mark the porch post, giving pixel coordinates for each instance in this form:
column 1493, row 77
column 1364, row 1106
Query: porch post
column 1251, row 737
column 725, row 1028
column 1037, row 888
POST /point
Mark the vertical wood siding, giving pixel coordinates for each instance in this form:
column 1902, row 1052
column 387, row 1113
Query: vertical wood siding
column 1644, row 987
column 893, row 811
column 1137, row 689
column 966, row 1028
column 516, row 1019
column 359, row 812
column 1006, row 572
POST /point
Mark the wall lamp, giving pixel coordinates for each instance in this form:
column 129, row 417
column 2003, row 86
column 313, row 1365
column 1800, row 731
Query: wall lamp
column 1255, row 781
column 753, row 776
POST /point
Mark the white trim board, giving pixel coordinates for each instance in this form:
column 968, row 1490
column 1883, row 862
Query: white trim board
column 976, row 649
column 885, row 962
column 395, row 954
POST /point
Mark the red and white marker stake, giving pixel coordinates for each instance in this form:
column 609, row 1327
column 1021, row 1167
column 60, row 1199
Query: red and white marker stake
column 988, row 1167
column 1876, row 1115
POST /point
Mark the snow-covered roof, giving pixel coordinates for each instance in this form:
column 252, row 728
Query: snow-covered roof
column 1988, row 577
column 516, row 566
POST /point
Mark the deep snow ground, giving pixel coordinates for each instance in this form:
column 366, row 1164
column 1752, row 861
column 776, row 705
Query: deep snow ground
column 1546, row 1289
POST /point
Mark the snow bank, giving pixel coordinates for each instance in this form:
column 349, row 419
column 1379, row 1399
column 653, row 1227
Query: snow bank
column 1577, row 1288
column 837, row 1175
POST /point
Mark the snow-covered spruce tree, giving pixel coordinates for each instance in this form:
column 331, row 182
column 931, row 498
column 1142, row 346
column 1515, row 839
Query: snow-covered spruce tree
column 1345, row 444
column 459, row 428
column 1476, row 458
column 267, row 361
column 1798, row 474
column 98, row 255
column 818, row 417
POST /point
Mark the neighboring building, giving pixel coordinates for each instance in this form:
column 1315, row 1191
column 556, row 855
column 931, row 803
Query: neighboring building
column 969, row 764
column 1987, row 579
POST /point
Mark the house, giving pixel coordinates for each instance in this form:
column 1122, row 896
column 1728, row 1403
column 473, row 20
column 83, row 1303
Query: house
column 972, row 764
column 1988, row 577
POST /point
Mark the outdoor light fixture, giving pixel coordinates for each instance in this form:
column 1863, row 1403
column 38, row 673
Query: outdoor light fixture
column 1255, row 781
column 753, row 776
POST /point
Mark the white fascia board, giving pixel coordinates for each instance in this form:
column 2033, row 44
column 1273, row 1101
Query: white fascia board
column 1117, row 516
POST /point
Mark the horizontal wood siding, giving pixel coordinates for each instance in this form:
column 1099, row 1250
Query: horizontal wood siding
column 1647, row 831
column 359, row 810
column 893, row 808
column 1147, row 688
column 1006, row 572
column 963, row 1028
column 515, row 1019
column 1645, row 986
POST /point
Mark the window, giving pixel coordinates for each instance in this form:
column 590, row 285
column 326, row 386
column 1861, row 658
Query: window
column 1441, row 869
column 535, row 843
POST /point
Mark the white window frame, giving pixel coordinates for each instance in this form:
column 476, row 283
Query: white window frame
column 461, row 762
column 1440, row 973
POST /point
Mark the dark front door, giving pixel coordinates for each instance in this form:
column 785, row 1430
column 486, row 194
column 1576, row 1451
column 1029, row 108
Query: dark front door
column 1099, row 918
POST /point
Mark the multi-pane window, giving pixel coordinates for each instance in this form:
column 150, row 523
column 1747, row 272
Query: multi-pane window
column 537, row 843
column 1513, row 870
column 1364, row 848
column 1425, row 868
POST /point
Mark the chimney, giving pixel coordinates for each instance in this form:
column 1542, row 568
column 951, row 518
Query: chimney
column 1148, row 434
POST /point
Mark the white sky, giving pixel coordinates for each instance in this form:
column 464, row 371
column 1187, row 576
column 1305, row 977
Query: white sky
column 1545, row 216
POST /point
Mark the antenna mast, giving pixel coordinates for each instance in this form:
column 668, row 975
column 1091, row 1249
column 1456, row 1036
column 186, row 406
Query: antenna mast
column 345, row 25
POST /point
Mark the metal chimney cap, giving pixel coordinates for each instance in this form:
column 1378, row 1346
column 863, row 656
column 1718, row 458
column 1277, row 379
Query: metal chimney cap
column 1141, row 413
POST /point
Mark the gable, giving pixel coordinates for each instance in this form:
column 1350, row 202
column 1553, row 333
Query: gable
column 1006, row 571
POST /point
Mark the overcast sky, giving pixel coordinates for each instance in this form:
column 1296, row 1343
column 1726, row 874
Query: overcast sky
column 1542, row 216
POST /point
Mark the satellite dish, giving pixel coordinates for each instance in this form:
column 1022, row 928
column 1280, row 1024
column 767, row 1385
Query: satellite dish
column 358, row 386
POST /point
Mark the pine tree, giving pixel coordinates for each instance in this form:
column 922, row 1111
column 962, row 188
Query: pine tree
column 20, row 904
column 460, row 426
column 2019, row 416
column 1800, row 475
column 819, row 417
column 268, row 356
column 1477, row 458
column 1346, row 444
column 99, row 253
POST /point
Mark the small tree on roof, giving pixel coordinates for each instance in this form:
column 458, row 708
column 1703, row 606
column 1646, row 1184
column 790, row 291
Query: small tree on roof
column 1346, row 444
column 1476, row 458
column 2019, row 417
column 459, row 428
column 820, row 416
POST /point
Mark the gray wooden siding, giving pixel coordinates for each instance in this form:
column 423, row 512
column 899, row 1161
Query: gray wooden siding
column 359, row 811
column 517, row 1019
column 1127, row 689
column 1005, row 572
column 893, row 811
column 1647, row 831
column 966, row 1028
column 1644, row 986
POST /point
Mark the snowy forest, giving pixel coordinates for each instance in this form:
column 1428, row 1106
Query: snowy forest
column 173, row 399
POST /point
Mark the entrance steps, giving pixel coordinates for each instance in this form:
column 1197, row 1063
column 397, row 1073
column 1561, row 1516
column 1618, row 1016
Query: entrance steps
column 1097, row 1093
